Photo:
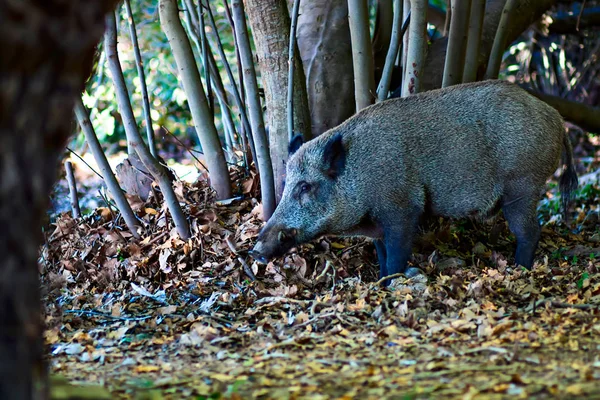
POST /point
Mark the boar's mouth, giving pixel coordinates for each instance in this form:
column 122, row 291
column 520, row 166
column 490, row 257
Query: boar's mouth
column 273, row 242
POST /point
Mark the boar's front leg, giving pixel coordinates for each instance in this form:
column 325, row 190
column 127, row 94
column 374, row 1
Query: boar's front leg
column 398, row 235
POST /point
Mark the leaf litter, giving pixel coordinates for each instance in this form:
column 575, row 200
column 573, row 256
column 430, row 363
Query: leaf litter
column 167, row 318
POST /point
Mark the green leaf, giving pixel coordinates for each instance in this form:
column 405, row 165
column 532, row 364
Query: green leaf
column 582, row 280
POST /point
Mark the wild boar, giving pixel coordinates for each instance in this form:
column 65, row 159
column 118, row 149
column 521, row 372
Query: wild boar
column 466, row 150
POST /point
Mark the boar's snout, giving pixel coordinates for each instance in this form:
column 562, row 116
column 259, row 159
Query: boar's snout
column 273, row 242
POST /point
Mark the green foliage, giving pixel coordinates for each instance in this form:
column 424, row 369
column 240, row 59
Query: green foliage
column 168, row 101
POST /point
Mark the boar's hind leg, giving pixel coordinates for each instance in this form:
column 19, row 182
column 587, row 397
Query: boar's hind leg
column 522, row 221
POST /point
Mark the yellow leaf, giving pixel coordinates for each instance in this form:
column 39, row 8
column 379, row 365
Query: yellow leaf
column 574, row 390
column 150, row 211
column 338, row 246
column 146, row 368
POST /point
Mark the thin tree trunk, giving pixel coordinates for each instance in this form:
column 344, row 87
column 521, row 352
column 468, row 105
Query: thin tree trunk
column 416, row 47
column 457, row 43
column 112, row 184
column 386, row 76
column 210, row 66
column 139, row 63
column 448, row 17
column 324, row 43
column 384, row 21
column 362, row 53
column 110, row 47
column 493, row 67
column 270, row 23
column 190, row 77
column 291, row 64
column 405, row 38
column 263, row 157
column 205, row 50
column 133, row 136
column 75, row 210
column 474, row 38
column 47, row 53
column 237, row 91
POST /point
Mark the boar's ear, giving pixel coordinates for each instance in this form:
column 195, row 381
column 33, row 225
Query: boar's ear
column 334, row 156
column 295, row 143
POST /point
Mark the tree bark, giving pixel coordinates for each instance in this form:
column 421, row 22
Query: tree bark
column 324, row 43
column 263, row 157
column 457, row 43
column 416, row 48
column 190, row 77
column 47, row 53
column 362, row 53
column 270, row 24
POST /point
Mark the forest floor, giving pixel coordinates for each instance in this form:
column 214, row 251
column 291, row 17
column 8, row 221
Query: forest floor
column 166, row 318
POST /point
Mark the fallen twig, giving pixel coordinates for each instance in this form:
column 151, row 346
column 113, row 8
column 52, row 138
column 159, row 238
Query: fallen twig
column 310, row 321
column 107, row 316
column 328, row 265
column 392, row 276
column 247, row 269
column 558, row 304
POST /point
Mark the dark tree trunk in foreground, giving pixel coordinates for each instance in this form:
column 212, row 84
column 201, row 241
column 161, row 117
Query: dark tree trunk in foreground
column 47, row 51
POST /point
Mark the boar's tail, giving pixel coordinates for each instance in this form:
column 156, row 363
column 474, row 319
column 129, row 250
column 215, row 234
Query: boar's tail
column 568, row 181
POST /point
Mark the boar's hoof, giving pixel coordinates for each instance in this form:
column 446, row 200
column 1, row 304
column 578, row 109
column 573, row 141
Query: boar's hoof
column 412, row 272
column 258, row 257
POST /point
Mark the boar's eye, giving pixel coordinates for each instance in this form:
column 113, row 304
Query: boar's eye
column 304, row 188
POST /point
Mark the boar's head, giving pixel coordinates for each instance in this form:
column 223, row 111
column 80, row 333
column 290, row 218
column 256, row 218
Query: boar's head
column 311, row 198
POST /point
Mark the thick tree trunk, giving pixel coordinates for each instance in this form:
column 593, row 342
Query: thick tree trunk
column 324, row 43
column 270, row 24
column 47, row 52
